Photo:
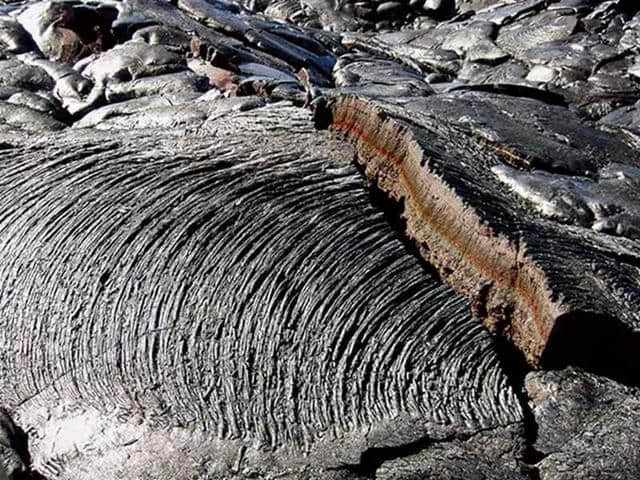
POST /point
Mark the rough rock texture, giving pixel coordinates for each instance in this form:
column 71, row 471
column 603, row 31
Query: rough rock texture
column 487, row 454
column 586, row 425
column 536, row 281
column 13, row 463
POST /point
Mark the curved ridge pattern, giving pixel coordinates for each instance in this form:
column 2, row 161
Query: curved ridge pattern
column 251, row 292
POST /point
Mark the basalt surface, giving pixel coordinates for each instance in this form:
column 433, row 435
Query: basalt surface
column 538, row 233
column 198, row 282
column 585, row 422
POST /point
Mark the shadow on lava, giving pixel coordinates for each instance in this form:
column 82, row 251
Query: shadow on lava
column 596, row 343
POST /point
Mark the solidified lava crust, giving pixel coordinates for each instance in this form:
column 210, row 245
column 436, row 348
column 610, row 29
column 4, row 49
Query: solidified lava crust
column 506, row 289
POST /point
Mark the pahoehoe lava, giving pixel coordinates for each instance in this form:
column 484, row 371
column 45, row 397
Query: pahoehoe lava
column 257, row 298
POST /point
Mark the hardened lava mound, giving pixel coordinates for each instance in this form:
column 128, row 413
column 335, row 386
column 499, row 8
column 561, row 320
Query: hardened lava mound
column 243, row 290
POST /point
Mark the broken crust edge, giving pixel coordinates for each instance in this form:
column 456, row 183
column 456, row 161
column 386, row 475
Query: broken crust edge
column 506, row 289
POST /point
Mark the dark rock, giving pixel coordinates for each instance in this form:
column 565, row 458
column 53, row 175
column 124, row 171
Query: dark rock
column 133, row 60
column 463, row 459
column 486, row 51
column 128, row 23
column 12, row 465
column 26, row 118
column 6, row 92
column 219, row 78
column 526, row 276
column 387, row 7
column 465, row 38
column 218, row 15
column 509, row 72
column 285, row 10
column 75, row 92
column 536, row 30
column 170, row 38
column 181, row 82
column 13, row 38
column 606, row 204
column 14, row 73
column 587, row 425
column 38, row 102
column 413, row 51
column 627, row 117
column 68, row 30
column 360, row 72
column 504, row 13
column 97, row 117
column 208, row 290
column 631, row 36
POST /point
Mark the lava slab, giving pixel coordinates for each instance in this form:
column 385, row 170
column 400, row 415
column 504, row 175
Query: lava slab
column 463, row 165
